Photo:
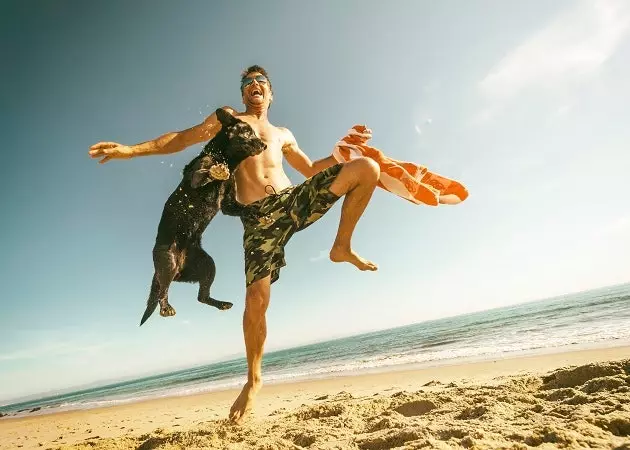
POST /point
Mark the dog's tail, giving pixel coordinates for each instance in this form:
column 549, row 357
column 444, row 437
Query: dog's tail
column 152, row 302
column 151, row 305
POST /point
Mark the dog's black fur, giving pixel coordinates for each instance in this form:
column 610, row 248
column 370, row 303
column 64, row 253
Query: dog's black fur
column 177, row 254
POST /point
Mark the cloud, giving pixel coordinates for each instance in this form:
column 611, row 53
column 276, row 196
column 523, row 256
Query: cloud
column 431, row 87
column 570, row 50
column 421, row 120
column 616, row 226
column 563, row 109
column 323, row 254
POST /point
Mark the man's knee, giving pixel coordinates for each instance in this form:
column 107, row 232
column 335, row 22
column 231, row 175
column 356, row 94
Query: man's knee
column 257, row 295
column 365, row 169
column 357, row 172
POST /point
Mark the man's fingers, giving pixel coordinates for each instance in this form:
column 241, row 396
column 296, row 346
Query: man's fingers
column 101, row 148
column 104, row 160
column 365, row 130
column 99, row 152
column 100, row 145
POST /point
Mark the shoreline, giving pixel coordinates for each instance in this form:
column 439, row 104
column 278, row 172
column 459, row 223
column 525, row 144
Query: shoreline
column 181, row 413
column 406, row 367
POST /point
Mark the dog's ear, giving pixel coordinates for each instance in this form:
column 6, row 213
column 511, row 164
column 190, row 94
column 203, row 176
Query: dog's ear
column 225, row 117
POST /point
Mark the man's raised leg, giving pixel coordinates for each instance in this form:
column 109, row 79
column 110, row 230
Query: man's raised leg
column 255, row 333
column 356, row 180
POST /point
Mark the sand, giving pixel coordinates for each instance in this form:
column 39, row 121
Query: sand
column 577, row 400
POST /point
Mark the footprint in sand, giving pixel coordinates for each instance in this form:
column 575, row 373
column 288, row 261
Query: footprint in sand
column 416, row 408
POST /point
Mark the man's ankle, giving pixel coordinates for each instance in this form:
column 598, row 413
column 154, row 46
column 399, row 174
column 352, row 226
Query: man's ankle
column 255, row 383
column 341, row 245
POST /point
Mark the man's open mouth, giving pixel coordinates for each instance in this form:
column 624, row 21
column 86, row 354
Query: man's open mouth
column 256, row 92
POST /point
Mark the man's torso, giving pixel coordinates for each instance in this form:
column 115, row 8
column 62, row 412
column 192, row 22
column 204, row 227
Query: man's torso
column 255, row 173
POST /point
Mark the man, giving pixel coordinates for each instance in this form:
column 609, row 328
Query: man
column 278, row 208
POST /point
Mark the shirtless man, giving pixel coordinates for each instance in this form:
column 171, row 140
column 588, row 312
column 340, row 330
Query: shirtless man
column 279, row 208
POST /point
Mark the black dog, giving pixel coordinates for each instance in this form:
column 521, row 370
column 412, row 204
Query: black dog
column 177, row 254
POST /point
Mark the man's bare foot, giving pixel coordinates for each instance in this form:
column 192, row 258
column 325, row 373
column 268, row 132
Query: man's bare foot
column 244, row 403
column 339, row 254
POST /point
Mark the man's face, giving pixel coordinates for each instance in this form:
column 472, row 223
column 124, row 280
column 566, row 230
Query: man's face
column 256, row 90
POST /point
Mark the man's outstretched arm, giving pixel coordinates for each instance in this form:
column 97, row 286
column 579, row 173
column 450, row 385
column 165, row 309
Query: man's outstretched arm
column 300, row 161
column 167, row 143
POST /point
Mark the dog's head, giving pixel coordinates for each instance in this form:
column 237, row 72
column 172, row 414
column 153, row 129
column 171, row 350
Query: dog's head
column 235, row 142
column 242, row 142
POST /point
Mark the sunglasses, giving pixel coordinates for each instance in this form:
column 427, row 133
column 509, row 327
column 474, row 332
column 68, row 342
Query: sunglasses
column 247, row 81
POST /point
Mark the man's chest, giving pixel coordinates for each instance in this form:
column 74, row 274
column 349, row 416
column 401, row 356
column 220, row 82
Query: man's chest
column 267, row 133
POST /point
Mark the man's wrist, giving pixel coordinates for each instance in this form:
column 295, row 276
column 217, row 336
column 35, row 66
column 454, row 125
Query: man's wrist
column 141, row 150
column 133, row 151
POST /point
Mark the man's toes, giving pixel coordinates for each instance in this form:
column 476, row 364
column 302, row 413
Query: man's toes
column 239, row 417
column 234, row 416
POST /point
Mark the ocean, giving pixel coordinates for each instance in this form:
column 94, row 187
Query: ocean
column 597, row 318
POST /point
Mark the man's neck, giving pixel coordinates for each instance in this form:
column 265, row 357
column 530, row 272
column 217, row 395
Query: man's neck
column 259, row 112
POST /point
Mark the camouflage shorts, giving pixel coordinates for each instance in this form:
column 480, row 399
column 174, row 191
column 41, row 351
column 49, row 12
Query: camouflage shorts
column 273, row 220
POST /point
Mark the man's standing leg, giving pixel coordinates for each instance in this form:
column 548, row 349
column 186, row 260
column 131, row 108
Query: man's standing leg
column 255, row 332
column 356, row 180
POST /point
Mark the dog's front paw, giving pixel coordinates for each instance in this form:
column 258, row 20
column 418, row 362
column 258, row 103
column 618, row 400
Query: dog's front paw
column 223, row 305
column 217, row 303
column 220, row 172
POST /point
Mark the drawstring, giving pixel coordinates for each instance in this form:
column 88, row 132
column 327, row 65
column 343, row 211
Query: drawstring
column 256, row 215
column 274, row 192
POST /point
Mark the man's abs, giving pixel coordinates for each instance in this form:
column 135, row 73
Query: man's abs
column 255, row 179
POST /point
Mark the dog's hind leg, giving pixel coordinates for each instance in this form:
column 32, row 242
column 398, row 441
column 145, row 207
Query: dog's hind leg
column 200, row 267
column 166, row 268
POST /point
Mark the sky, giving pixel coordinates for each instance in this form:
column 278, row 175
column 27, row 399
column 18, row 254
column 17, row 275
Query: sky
column 525, row 103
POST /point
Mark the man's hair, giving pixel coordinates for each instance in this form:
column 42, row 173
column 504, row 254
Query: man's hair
column 252, row 69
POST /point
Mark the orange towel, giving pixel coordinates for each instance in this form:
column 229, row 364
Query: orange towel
column 410, row 181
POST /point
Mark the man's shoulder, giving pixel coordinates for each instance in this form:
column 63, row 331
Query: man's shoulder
column 286, row 134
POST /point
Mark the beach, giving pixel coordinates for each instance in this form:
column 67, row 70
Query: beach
column 566, row 399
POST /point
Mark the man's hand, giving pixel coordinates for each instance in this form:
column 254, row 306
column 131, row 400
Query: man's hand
column 110, row 150
column 366, row 133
